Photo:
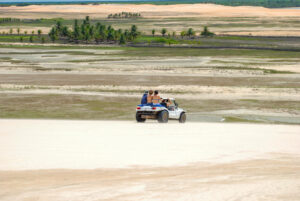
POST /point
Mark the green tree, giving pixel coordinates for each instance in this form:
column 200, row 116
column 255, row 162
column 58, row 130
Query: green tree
column 25, row 32
column 87, row 36
column 31, row 39
column 134, row 32
column 53, row 34
column 122, row 39
column 127, row 34
column 76, row 32
column 163, row 32
column 206, row 32
column 11, row 31
column 92, row 31
column 174, row 34
column 18, row 30
column 32, row 32
column 153, row 32
column 111, row 34
column 182, row 34
column 190, row 32
column 39, row 32
column 102, row 32
column 87, row 20
column 21, row 38
column 65, row 31
column 43, row 40
column 58, row 26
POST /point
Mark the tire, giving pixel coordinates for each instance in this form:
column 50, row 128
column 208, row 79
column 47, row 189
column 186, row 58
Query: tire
column 139, row 118
column 163, row 116
column 182, row 117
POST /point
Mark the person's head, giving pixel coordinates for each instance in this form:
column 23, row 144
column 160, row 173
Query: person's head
column 150, row 92
column 155, row 92
column 146, row 92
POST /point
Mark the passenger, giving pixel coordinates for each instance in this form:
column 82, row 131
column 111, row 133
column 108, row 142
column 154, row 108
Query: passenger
column 156, row 98
column 144, row 98
column 169, row 102
column 150, row 97
column 164, row 102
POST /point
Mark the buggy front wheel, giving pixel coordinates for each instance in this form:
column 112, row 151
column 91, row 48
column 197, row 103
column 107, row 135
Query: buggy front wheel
column 182, row 118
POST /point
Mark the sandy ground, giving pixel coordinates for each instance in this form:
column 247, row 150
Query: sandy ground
column 111, row 160
column 180, row 10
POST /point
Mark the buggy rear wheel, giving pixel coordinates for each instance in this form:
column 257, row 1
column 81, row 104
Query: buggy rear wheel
column 163, row 116
column 139, row 118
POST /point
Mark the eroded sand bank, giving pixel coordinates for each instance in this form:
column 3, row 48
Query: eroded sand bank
column 111, row 160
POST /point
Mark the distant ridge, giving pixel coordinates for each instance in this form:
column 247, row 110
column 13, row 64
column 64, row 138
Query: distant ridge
column 263, row 3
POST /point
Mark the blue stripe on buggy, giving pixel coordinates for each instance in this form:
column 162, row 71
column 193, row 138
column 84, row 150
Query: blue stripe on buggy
column 151, row 104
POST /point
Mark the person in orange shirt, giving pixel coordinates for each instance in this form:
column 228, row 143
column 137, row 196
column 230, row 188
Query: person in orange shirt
column 150, row 97
column 156, row 98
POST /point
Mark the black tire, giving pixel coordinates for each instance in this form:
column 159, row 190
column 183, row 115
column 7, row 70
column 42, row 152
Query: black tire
column 139, row 118
column 163, row 116
column 182, row 117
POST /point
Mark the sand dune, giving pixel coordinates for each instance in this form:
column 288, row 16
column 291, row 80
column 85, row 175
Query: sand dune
column 180, row 10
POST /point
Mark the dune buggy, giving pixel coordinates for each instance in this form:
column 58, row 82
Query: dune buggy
column 160, row 112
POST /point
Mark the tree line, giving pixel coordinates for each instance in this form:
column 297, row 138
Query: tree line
column 189, row 33
column 19, row 32
column 124, row 15
column 8, row 19
column 88, row 32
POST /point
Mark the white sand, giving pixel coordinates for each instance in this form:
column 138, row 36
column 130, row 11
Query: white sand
column 50, row 144
column 147, row 162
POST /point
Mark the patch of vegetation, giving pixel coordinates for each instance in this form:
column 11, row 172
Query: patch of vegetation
column 206, row 32
column 87, row 32
column 9, row 20
column 67, row 107
column 232, row 119
column 124, row 15
column 149, row 39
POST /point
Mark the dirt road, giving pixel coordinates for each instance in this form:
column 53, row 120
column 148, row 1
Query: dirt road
column 112, row 160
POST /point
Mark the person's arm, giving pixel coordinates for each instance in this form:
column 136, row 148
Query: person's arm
column 159, row 99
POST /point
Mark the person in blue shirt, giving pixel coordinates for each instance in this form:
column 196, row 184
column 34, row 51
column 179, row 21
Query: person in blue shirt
column 144, row 98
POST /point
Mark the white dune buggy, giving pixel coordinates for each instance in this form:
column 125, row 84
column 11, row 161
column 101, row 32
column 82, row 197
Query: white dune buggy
column 160, row 112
